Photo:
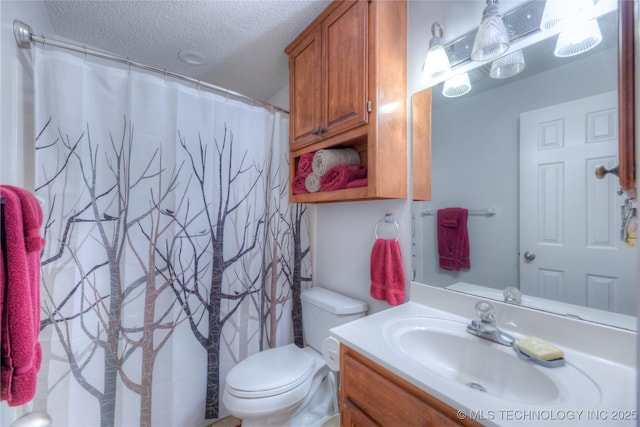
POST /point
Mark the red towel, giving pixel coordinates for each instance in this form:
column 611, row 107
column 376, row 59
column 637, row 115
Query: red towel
column 358, row 183
column 305, row 165
column 298, row 185
column 387, row 272
column 339, row 176
column 453, row 239
column 20, row 353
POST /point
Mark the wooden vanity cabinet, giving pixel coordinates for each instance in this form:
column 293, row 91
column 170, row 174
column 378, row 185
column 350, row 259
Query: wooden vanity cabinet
column 371, row 395
column 348, row 88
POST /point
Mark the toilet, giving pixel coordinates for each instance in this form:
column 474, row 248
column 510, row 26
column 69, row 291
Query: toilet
column 288, row 385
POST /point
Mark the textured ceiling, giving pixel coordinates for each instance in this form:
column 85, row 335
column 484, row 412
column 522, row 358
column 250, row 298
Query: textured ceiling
column 242, row 41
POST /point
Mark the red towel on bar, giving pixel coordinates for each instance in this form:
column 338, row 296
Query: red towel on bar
column 339, row 176
column 453, row 239
column 387, row 272
column 20, row 353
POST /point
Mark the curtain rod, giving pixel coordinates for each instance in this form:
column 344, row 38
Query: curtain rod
column 24, row 37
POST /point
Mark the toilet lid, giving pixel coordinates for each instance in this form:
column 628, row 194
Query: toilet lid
column 270, row 372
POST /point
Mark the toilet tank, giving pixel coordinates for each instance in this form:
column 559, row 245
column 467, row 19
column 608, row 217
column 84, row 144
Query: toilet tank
column 323, row 309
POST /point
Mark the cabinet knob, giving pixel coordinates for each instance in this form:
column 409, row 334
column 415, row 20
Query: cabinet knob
column 318, row 131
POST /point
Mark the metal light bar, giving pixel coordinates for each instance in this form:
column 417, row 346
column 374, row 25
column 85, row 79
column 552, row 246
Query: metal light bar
column 520, row 22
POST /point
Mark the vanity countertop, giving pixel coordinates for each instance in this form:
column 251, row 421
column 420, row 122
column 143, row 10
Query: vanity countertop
column 603, row 358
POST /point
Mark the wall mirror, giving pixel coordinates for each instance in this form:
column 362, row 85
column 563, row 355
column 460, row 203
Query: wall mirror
column 520, row 154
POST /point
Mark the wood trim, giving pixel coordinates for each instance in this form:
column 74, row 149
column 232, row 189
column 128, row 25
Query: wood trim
column 388, row 162
column 312, row 26
column 626, row 95
column 421, row 144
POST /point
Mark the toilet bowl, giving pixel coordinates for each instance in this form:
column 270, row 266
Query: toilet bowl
column 288, row 385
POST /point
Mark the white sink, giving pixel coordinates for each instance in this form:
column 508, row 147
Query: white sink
column 445, row 348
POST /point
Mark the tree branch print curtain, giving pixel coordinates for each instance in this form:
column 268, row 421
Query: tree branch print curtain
column 172, row 251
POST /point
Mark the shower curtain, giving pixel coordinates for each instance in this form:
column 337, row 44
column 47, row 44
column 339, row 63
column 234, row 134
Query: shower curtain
column 172, row 251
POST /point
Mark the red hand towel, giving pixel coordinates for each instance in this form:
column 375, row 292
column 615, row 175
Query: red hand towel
column 305, row 164
column 20, row 353
column 339, row 176
column 387, row 272
column 453, row 239
column 298, row 185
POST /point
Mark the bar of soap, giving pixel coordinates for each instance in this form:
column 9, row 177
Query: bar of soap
column 540, row 349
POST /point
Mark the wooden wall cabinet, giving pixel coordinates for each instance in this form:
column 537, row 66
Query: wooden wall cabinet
column 348, row 88
column 370, row 395
column 327, row 72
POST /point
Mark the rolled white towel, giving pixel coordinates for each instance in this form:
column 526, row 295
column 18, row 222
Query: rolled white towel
column 324, row 160
column 312, row 182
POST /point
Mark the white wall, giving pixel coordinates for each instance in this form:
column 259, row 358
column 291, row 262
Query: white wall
column 16, row 87
column 281, row 99
column 16, row 113
column 475, row 159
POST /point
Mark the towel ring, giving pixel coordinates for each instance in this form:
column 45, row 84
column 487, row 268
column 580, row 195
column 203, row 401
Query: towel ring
column 388, row 219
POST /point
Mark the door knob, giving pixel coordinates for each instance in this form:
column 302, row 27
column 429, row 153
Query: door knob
column 602, row 171
column 529, row 256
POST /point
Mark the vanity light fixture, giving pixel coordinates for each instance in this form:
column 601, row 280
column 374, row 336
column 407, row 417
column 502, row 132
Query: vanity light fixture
column 578, row 38
column 492, row 39
column 579, row 30
column 508, row 65
column 457, row 85
column 557, row 13
column 436, row 64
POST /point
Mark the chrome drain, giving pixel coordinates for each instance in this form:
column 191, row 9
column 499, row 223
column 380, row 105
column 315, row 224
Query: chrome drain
column 477, row 386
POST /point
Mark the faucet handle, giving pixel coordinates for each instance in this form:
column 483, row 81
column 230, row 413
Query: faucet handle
column 485, row 311
column 512, row 295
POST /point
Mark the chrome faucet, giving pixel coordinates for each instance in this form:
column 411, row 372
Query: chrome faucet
column 486, row 328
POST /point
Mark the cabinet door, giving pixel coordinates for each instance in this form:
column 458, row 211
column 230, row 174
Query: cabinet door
column 352, row 416
column 371, row 395
column 305, row 92
column 345, row 35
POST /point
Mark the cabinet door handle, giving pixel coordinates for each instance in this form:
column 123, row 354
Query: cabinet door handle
column 321, row 130
column 314, row 132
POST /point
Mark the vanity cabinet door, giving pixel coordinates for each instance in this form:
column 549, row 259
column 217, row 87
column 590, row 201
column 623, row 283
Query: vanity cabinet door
column 370, row 395
column 352, row 416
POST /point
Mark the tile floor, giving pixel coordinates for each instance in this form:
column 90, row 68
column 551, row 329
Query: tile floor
column 226, row 422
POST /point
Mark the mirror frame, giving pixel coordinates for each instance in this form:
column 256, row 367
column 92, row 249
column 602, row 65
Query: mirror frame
column 626, row 96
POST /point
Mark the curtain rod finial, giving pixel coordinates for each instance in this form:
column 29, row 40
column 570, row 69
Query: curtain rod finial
column 22, row 33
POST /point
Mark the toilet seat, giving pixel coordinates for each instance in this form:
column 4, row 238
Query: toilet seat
column 270, row 372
